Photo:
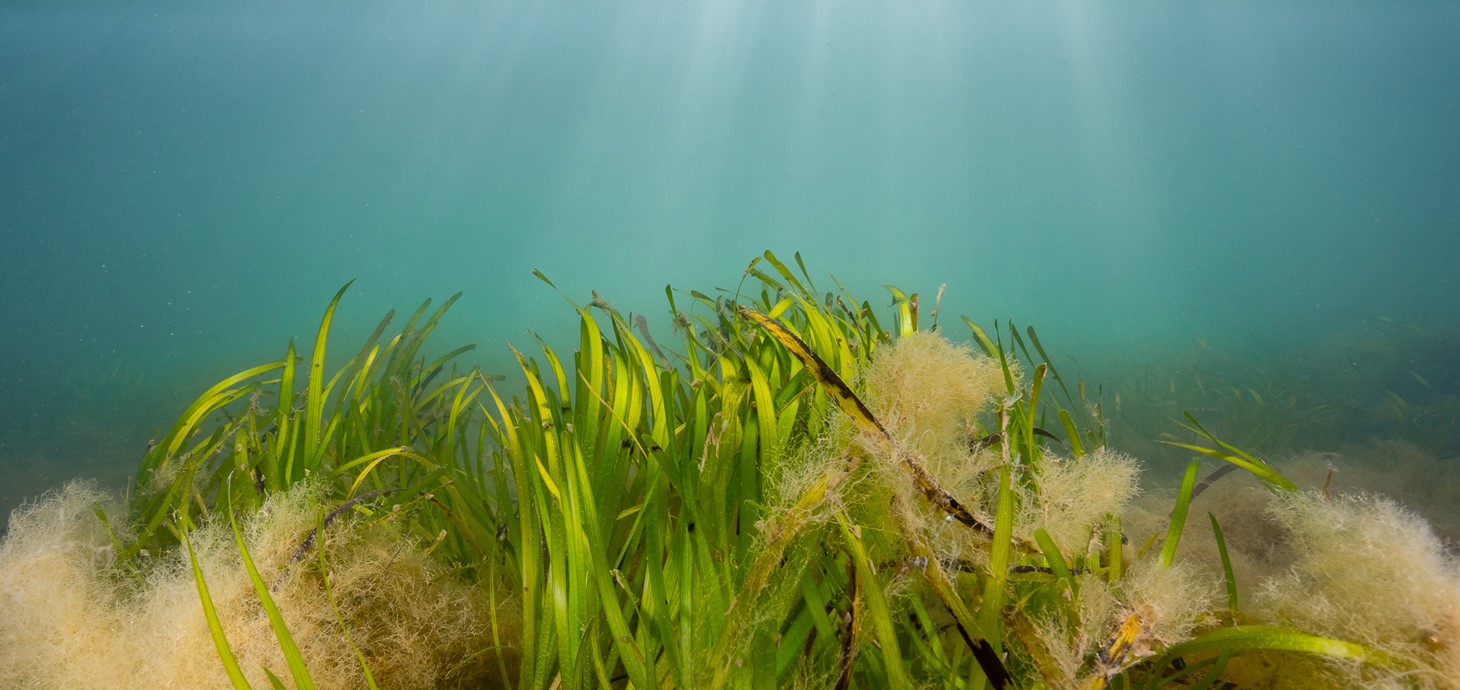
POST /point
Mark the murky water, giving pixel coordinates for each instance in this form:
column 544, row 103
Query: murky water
column 1246, row 210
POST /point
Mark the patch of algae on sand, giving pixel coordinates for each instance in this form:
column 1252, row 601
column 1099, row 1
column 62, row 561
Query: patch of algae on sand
column 1341, row 562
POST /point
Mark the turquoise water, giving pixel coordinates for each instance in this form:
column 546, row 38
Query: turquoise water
column 1157, row 187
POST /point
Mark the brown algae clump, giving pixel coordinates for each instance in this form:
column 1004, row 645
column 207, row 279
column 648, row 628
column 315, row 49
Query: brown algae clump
column 1074, row 496
column 72, row 622
column 1367, row 570
column 927, row 392
column 926, row 389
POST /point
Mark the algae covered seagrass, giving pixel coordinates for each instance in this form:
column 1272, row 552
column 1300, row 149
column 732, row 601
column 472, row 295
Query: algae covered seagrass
column 786, row 491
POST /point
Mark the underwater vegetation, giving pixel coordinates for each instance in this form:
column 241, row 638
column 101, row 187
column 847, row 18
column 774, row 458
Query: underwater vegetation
column 791, row 493
column 1375, row 378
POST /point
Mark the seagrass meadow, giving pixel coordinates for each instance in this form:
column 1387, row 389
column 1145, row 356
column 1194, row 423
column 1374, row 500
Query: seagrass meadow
column 792, row 488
